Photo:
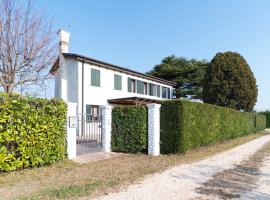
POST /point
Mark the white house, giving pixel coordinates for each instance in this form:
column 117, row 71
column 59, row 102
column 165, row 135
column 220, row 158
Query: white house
column 92, row 83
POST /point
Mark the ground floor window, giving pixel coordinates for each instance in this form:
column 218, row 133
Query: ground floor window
column 92, row 112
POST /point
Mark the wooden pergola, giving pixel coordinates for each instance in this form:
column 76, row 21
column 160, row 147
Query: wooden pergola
column 133, row 101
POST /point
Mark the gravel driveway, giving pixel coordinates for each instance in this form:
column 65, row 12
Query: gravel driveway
column 240, row 173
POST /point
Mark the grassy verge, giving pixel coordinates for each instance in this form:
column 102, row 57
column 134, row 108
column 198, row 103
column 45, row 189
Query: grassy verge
column 68, row 180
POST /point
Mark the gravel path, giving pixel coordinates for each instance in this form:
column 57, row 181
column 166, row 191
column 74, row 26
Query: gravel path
column 189, row 181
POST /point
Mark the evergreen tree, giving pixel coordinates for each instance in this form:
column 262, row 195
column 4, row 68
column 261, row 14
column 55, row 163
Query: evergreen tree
column 229, row 82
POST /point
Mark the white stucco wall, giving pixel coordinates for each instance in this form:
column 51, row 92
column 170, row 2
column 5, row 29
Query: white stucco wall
column 98, row 95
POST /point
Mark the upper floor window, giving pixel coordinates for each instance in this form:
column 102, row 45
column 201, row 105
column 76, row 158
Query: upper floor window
column 117, row 82
column 95, row 77
column 131, row 85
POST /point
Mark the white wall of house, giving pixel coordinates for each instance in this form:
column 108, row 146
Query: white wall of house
column 93, row 95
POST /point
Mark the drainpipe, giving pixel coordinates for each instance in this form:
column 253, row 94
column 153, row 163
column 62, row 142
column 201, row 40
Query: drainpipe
column 83, row 96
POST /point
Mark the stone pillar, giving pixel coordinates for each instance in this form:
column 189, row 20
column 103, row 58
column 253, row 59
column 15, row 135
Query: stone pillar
column 153, row 129
column 72, row 123
column 106, row 112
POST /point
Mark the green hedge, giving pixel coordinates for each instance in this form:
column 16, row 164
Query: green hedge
column 32, row 131
column 267, row 114
column 186, row 125
column 260, row 122
column 129, row 129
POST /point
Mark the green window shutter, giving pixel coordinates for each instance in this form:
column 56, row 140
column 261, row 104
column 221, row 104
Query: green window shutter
column 158, row 90
column 88, row 113
column 163, row 92
column 117, row 82
column 140, row 87
column 151, row 89
column 154, row 90
column 88, row 109
column 168, row 93
column 129, row 84
column 95, row 77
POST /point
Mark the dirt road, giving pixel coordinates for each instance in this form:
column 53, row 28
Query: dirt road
column 239, row 173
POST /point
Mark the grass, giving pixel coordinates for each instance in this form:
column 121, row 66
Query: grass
column 68, row 180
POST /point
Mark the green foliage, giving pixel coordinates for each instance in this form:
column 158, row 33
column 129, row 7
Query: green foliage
column 32, row 131
column 260, row 122
column 129, row 129
column 188, row 74
column 267, row 114
column 185, row 125
column 229, row 82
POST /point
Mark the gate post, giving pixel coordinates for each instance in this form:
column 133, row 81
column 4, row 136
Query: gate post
column 153, row 129
column 106, row 121
column 71, row 129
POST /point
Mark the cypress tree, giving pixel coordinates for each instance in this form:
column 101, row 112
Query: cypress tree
column 229, row 82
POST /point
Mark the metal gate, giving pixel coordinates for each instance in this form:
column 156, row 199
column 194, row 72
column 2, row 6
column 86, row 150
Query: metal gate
column 89, row 134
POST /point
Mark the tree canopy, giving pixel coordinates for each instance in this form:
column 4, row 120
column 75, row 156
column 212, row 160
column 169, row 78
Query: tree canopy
column 229, row 82
column 187, row 73
column 27, row 46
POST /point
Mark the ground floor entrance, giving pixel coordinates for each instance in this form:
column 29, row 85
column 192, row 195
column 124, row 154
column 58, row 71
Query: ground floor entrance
column 89, row 133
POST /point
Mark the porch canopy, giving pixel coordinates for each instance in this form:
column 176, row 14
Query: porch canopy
column 133, row 101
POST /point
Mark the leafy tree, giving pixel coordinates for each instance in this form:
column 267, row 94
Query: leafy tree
column 187, row 73
column 229, row 82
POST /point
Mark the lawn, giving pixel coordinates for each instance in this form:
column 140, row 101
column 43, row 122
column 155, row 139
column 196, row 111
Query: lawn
column 68, row 180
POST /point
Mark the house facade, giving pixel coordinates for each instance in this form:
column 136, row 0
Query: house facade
column 92, row 83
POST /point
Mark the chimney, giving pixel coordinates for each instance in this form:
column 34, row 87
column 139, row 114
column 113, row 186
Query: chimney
column 63, row 41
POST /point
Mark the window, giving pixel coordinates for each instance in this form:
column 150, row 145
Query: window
column 131, row 85
column 92, row 113
column 164, row 92
column 117, row 82
column 158, row 90
column 140, row 87
column 95, row 77
column 145, row 88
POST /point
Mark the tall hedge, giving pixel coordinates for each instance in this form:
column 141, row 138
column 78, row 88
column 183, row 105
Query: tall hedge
column 32, row 131
column 267, row 115
column 186, row 125
column 129, row 129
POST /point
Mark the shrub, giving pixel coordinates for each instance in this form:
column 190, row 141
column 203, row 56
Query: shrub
column 267, row 114
column 229, row 82
column 129, row 129
column 260, row 122
column 185, row 125
column 32, row 131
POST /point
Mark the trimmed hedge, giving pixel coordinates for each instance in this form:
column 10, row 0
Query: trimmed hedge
column 129, row 129
column 267, row 114
column 260, row 122
column 186, row 125
column 32, row 131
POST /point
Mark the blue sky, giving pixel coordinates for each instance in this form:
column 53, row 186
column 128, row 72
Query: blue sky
column 138, row 34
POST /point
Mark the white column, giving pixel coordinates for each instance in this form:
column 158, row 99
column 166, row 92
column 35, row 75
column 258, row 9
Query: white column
column 154, row 129
column 106, row 112
column 72, row 123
